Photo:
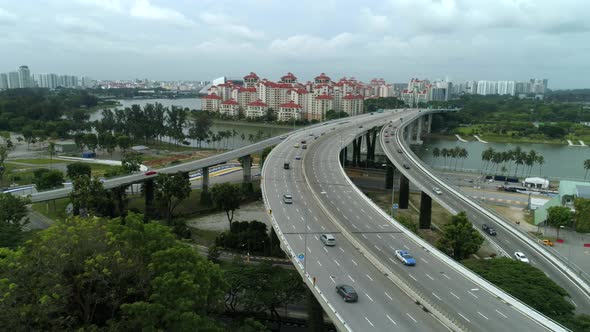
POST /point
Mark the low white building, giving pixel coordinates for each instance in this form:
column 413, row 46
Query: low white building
column 289, row 111
column 535, row 182
column 256, row 109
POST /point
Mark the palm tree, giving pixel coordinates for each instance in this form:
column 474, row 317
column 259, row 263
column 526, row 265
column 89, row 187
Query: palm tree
column 455, row 154
column 586, row 167
column 531, row 160
column 497, row 159
column 444, row 153
column 540, row 161
column 436, row 153
column 486, row 156
column 463, row 154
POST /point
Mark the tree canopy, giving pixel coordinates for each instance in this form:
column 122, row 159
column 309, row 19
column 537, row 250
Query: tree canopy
column 78, row 169
column 227, row 197
column 171, row 190
column 96, row 273
column 582, row 214
column 460, row 239
column 13, row 212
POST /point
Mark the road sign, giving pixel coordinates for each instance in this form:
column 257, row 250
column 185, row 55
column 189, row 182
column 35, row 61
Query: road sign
column 395, row 206
column 301, row 256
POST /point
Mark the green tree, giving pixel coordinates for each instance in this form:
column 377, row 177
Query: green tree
column 460, row 239
column 131, row 162
column 3, row 155
column 90, row 141
column 51, row 151
column 88, row 195
column 227, row 197
column 200, row 126
column 89, row 273
column 13, row 212
column 170, row 191
column 124, row 142
column 78, row 169
column 582, row 214
column 558, row 216
column 48, row 179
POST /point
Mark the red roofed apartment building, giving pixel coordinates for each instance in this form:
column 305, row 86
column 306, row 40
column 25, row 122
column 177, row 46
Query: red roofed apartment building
column 417, row 92
column 289, row 98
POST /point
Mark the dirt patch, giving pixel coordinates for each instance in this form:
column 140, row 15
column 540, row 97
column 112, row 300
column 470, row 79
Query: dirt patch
column 164, row 161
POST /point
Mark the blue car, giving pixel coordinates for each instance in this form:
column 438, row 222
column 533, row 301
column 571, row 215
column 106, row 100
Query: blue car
column 405, row 257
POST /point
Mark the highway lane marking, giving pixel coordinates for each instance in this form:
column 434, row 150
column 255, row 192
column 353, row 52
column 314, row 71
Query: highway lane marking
column 359, row 218
column 300, row 237
column 368, row 276
column 482, row 315
column 393, row 237
column 288, row 218
column 293, row 227
column 316, row 237
column 391, row 320
column 376, row 247
column 299, row 212
column 320, row 264
column 326, row 250
column 446, row 276
column 458, row 298
column 392, row 248
column 353, row 225
column 364, row 236
column 464, row 317
column 411, row 276
column 436, row 296
column 349, row 277
column 472, row 294
column 308, row 228
column 369, row 321
column 338, row 209
column 316, row 218
column 341, row 249
column 388, row 296
column 302, row 218
column 422, row 259
column 501, row 314
column 431, row 278
column 415, row 321
column 405, row 246
column 335, row 261
column 380, row 226
column 574, row 303
column 308, row 250
column 378, row 236
column 369, row 297
column 391, row 259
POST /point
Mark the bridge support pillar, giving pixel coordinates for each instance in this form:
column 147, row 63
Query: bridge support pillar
column 419, row 130
column 389, row 173
column 371, row 139
column 429, row 126
column 315, row 313
column 247, row 171
column 345, row 156
column 404, row 192
column 425, row 211
column 149, row 200
column 356, row 151
column 407, row 131
column 205, row 195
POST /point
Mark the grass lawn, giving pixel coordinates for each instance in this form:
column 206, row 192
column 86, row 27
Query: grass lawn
column 21, row 175
column 203, row 236
column 39, row 161
column 170, row 147
column 55, row 210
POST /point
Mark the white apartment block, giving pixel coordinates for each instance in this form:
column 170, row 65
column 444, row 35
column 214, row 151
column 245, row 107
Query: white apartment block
column 256, row 109
column 289, row 111
column 485, row 88
column 230, row 107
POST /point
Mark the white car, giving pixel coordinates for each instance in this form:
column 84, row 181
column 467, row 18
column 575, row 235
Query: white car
column 328, row 240
column 437, row 191
column 287, row 199
column 521, row 257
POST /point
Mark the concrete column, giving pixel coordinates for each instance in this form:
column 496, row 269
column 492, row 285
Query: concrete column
column 149, row 199
column 407, row 130
column 315, row 313
column 345, row 156
column 429, row 127
column 419, row 130
column 247, row 166
column 425, row 211
column 389, row 173
column 205, row 195
column 404, row 192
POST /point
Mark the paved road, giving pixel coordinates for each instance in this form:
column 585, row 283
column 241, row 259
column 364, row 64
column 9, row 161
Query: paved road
column 505, row 239
column 381, row 306
column 326, row 198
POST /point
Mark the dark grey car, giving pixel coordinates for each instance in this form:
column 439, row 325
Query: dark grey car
column 347, row 292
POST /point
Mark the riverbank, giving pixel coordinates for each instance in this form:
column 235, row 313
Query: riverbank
column 503, row 139
column 255, row 124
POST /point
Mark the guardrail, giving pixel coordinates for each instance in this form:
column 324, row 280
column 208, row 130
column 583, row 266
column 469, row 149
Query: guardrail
column 562, row 267
column 532, row 313
column 327, row 306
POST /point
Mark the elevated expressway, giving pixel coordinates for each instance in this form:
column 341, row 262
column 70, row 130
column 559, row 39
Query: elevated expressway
column 509, row 240
column 436, row 294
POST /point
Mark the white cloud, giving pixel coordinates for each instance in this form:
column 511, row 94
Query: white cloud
column 144, row 9
column 77, row 24
column 306, row 45
column 374, row 22
column 225, row 24
column 6, row 16
column 108, row 5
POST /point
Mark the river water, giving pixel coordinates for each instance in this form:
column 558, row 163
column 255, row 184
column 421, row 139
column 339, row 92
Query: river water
column 195, row 103
column 561, row 161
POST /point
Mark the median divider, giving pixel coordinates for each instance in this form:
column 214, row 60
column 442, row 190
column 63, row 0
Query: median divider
column 500, row 294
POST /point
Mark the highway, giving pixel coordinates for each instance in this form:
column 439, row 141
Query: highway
column 326, row 201
column 505, row 241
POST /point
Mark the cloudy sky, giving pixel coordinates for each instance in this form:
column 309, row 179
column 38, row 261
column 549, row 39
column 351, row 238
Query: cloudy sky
column 393, row 39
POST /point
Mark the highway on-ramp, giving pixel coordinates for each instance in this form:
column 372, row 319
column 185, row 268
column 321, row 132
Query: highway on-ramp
column 454, row 200
column 326, row 201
